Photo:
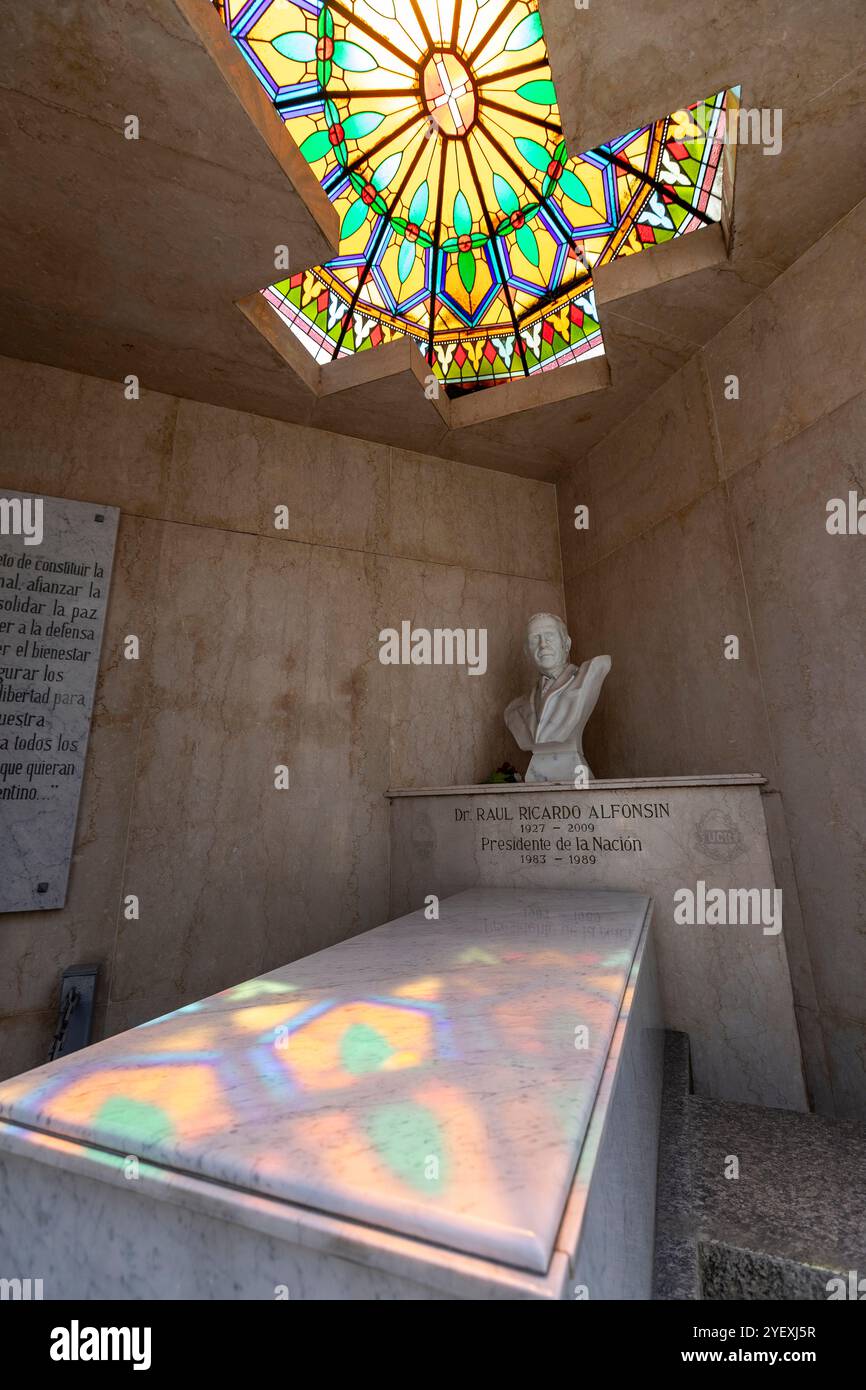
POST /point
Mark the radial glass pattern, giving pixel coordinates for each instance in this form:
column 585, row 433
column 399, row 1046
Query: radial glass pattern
column 433, row 128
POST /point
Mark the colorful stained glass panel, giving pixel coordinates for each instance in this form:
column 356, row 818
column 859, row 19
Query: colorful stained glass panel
column 433, row 128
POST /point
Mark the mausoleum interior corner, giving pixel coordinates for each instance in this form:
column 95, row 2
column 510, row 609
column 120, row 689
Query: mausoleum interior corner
column 432, row 535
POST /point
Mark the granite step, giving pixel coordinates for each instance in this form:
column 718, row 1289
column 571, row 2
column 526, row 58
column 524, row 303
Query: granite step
column 755, row 1203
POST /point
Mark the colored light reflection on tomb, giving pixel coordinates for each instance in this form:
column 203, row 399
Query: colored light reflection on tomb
column 434, row 129
column 294, row 1092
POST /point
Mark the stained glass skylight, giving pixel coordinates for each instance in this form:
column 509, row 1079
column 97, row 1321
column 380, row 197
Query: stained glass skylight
column 434, row 129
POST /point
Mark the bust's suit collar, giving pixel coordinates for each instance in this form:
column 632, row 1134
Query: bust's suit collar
column 540, row 695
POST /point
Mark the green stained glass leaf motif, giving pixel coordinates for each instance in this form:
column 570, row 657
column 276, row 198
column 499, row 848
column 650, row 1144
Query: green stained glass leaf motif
column 541, row 93
column 574, row 188
column 534, row 154
column 316, row 146
column 419, row 204
column 462, row 214
column 405, row 261
column 386, row 171
column 364, row 123
column 351, row 57
column 528, row 244
column 524, row 34
column 466, row 268
column 300, row 47
column 505, row 194
column 356, row 214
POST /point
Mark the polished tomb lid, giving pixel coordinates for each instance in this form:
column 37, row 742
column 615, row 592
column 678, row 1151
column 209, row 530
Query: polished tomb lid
column 426, row 1077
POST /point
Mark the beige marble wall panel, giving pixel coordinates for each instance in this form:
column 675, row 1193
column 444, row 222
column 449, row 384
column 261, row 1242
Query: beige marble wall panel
column 36, row 405
column 230, row 470
column 104, row 79
column 641, row 355
column 695, row 307
column 459, row 515
column 119, row 448
column 662, row 608
column 76, row 436
column 799, row 350
column 25, row 1039
column 806, row 592
column 815, row 1061
column 393, row 407
column 447, row 726
column 228, row 677
column 333, row 851
column 653, row 465
column 529, row 443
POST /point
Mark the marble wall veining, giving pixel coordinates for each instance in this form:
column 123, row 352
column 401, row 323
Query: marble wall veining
column 259, row 648
column 708, row 520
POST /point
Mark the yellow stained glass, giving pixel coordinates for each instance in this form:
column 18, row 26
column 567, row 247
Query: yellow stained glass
column 434, row 129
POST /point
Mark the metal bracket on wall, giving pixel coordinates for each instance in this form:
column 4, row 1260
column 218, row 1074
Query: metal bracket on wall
column 77, row 991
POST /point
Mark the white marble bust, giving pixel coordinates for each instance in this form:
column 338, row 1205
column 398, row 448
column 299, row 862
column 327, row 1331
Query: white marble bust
column 550, row 720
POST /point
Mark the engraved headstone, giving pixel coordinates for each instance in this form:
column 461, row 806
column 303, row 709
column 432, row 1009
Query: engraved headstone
column 55, row 572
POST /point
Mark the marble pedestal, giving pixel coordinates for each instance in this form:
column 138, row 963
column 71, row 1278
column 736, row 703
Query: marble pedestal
column 727, row 986
column 464, row 1107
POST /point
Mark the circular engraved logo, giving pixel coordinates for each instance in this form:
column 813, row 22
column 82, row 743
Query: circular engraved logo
column 718, row 835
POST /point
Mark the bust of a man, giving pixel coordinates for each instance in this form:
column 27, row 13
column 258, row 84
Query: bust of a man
column 550, row 720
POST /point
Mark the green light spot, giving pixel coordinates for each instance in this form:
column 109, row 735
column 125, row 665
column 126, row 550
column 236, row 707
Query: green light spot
column 408, row 1137
column 363, row 1048
column 135, row 1119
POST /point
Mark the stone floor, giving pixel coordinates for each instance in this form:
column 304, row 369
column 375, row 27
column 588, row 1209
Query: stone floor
column 793, row 1218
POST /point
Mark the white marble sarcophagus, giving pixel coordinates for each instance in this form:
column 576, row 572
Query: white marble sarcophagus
column 465, row 1107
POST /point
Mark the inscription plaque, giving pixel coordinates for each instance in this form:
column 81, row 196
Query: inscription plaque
column 55, row 571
